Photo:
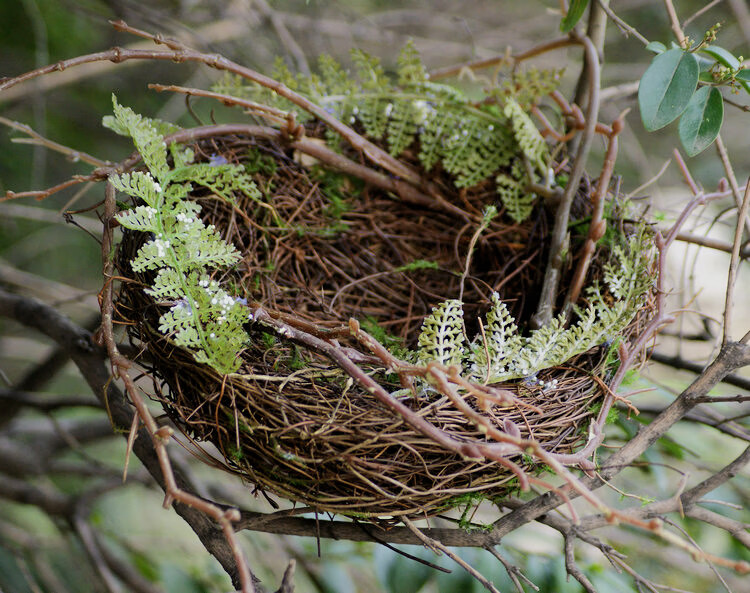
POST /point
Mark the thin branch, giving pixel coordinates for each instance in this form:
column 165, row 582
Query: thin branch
column 694, row 367
column 729, row 170
column 438, row 547
column 674, row 22
column 699, row 12
column 572, row 568
column 560, row 229
column 511, row 60
column 732, row 276
column 621, row 24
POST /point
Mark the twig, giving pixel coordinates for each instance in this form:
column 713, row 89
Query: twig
column 699, row 12
column 621, row 24
column 39, row 140
column 597, row 226
column 241, row 575
column 733, row 263
column 572, row 568
column 674, row 22
column 560, row 229
column 437, row 546
column 287, row 40
column 497, row 60
column 513, row 571
column 724, row 156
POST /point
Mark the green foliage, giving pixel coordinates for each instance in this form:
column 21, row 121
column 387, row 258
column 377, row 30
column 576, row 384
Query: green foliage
column 700, row 123
column 666, row 88
column 670, row 89
column 471, row 142
column 182, row 250
column 500, row 353
column 442, row 337
column 574, row 14
column 419, row 264
column 393, row 343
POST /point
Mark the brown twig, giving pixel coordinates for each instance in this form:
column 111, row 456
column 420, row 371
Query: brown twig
column 597, row 226
column 512, row 60
column 560, row 229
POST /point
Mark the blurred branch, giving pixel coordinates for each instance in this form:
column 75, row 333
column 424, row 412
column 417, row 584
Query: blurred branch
column 90, row 361
column 678, row 362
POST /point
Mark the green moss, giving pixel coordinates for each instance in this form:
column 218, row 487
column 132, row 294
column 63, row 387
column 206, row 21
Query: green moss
column 394, row 344
column 258, row 162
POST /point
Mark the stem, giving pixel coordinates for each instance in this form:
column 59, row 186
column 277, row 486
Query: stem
column 560, row 230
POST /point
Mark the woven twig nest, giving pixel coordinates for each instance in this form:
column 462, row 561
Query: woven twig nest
column 328, row 249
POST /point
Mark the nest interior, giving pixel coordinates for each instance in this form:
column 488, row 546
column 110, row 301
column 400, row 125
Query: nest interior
column 325, row 248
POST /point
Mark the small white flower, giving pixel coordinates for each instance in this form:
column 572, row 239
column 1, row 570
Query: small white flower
column 388, row 109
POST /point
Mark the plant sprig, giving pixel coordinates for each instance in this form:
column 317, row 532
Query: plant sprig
column 184, row 252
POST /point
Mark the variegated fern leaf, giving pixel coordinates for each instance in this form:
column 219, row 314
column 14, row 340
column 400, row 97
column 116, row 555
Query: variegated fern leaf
column 442, row 337
column 182, row 250
column 500, row 353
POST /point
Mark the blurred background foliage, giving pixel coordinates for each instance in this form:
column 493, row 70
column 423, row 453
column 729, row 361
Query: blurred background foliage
column 41, row 255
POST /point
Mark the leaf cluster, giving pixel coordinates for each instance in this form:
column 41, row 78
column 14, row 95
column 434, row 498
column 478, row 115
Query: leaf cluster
column 683, row 82
column 181, row 249
column 471, row 141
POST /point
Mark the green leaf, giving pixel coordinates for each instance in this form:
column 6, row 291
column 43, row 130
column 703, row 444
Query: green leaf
column 721, row 55
column 743, row 77
column 657, row 47
column 701, row 122
column 666, row 88
column 575, row 12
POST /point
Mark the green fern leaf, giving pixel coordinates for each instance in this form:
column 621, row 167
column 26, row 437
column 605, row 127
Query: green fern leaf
column 163, row 128
column 149, row 143
column 411, row 69
column 402, row 126
column 501, row 341
column 518, row 203
column 139, row 185
column 140, row 218
column 528, row 137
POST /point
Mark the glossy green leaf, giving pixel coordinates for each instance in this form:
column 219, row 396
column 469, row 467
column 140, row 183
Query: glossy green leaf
column 724, row 57
column 666, row 88
column 575, row 12
column 657, row 47
column 743, row 77
column 701, row 122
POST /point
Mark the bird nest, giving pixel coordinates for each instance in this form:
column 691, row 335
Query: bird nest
column 321, row 248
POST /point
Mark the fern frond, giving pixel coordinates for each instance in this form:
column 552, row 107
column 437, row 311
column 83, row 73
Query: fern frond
column 140, row 218
column 163, row 128
column 442, row 337
column 526, row 134
column 539, row 347
column 149, row 143
column 501, row 341
column 139, row 185
column 204, row 319
column 518, row 203
column 222, row 180
column 411, row 69
column 402, row 126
